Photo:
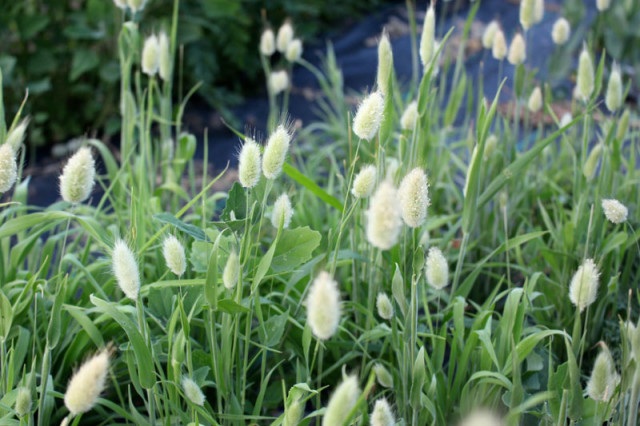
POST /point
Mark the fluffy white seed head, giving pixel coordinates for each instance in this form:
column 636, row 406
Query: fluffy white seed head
column 151, row 55
column 164, row 64
column 414, row 197
column 16, row 135
column 517, row 50
column 365, row 181
column 267, row 42
column 8, row 167
column 499, row 47
column 285, row 35
column 527, row 13
column 323, row 306
column 192, row 391
column 87, row 384
column 294, row 50
column 369, row 116
column 489, row 34
column 136, row 5
column 278, row 81
column 604, row 378
column 342, row 401
column 603, row 5
column 428, row 36
column 78, row 175
column 561, row 31
column 591, row 164
column 275, row 152
column 23, row 401
column 585, row 80
column 535, row 100
column 384, row 217
column 125, row 268
column 383, row 376
column 615, row 211
column 121, row 4
column 613, row 99
column 174, row 256
column 437, row 270
column 584, row 285
column 566, row 119
column 538, row 11
column 482, row 418
column 384, row 305
column 392, row 165
column 381, row 414
column 282, row 212
column 231, row 271
column 249, row 164
column 410, row 116
column 385, row 64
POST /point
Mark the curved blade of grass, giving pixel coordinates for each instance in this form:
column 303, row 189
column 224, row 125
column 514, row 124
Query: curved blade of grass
column 303, row 180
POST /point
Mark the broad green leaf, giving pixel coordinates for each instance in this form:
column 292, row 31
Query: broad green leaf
column 231, row 307
column 295, row 247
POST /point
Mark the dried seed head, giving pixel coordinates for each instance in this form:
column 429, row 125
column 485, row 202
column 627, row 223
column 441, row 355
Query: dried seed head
column 613, row 100
column 231, row 271
column 428, row 37
column 527, row 13
column 384, row 377
column 278, row 81
column 267, row 42
column 285, row 35
column 369, row 116
column 437, row 270
column 385, row 64
column 381, row 414
column 538, row 11
column 561, row 31
column 77, row 178
column 126, row 270
column 8, row 167
column 16, row 135
column 192, row 391
column 365, row 181
column 591, row 164
column 174, row 256
column 293, row 413
column 535, row 100
column 275, row 152
column 615, row 211
column 482, row 418
column 164, row 65
column 294, row 50
column 585, row 80
column 384, row 217
column 342, row 401
column 604, row 379
column 323, row 306
column 23, row 401
column 249, row 164
column 151, row 55
column 584, row 285
column 282, row 212
column 499, row 47
column 517, row 50
column 603, row 5
column 414, row 197
column 384, row 305
column 87, row 384
column 410, row 116
column 489, row 34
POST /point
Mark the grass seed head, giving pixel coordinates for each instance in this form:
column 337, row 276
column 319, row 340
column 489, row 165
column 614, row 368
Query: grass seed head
column 78, row 176
column 384, row 217
column 538, row 11
column 231, row 270
column 294, row 50
column 615, row 211
column 285, row 35
column 384, row 305
column 164, row 64
column 381, row 414
column 23, row 401
column 275, row 152
column 482, row 418
column 293, row 413
column 585, row 79
column 8, row 167
column 437, row 270
column 604, row 379
column 414, row 197
column 591, row 163
column 517, row 50
column 342, row 401
column 136, row 5
column 126, row 270
column 282, row 212
column 385, row 64
column 409, row 116
column 428, row 37
column 584, row 285
column 278, row 81
column 323, row 306
column 383, row 376
column 249, row 164
column 151, row 55
column 267, row 42
column 17, row 133
column 527, row 13
column 174, row 256
column 561, row 31
column 613, row 99
column 489, row 34
column 365, row 181
column 120, row 4
column 87, row 384
column 490, row 146
column 499, row 47
column 535, row 100
column 623, row 125
column 603, row 5
column 369, row 116
column 192, row 391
